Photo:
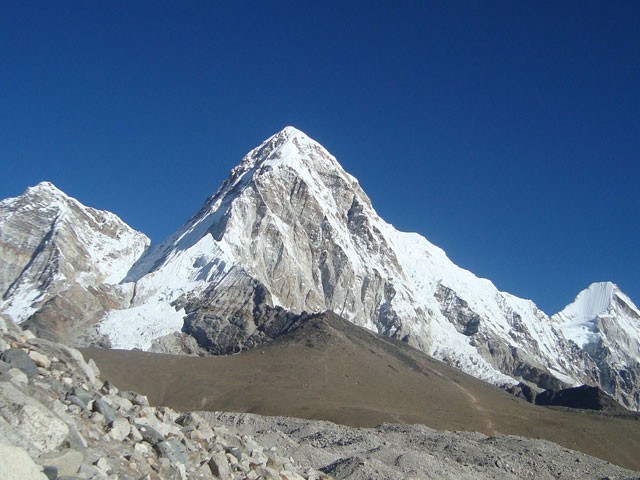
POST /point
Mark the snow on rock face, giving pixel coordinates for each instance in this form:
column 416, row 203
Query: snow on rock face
column 62, row 261
column 604, row 322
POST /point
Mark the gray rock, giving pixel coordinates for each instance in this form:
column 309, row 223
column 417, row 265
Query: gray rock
column 18, row 358
column 17, row 376
column 51, row 472
column 174, row 451
column 149, row 434
column 16, row 464
column 135, row 398
column 67, row 462
column 100, row 405
column 235, row 451
column 220, row 466
column 78, row 401
column 120, row 429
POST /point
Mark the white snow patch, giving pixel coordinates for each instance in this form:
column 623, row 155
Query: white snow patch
column 137, row 327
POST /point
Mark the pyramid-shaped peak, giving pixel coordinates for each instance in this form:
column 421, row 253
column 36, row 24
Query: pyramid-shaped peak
column 290, row 131
column 46, row 188
column 289, row 135
column 591, row 302
column 292, row 148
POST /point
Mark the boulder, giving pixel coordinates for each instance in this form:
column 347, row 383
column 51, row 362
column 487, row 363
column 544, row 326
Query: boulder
column 67, row 462
column 16, row 464
column 18, row 358
column 39, row 359
column 100, row 405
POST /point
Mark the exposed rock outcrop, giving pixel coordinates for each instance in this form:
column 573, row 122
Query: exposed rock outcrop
column 582, row 397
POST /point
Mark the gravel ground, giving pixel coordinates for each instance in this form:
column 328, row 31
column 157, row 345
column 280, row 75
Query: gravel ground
column 392, row 451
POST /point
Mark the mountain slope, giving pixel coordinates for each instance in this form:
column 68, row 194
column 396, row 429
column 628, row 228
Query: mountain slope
column 290, row 228
column 62, row 261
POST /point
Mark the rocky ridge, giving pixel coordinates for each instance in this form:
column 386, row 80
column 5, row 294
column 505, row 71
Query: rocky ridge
column 58, row 420
column 62, row 263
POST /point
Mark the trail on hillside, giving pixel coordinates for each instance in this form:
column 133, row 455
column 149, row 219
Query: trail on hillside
column 475, row 403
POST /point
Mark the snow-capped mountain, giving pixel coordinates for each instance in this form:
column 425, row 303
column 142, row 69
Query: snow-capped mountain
column 289, row 232
column 604, row 322
column 62, row 262
column 290, row 228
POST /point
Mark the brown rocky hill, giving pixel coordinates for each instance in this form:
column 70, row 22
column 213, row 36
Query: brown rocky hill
column 330, row 369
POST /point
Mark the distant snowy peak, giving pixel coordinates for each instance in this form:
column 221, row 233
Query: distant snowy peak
column 599, row 298
column 582, row 320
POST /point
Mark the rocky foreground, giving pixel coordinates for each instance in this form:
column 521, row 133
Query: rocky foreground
column 58, row 420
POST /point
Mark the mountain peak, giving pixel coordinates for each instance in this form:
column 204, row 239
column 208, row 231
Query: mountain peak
column 46, row 188
column 290, row 131
column 590, row 302
column 289, row 148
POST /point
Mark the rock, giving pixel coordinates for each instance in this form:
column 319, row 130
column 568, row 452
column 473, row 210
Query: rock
column 120, row 429
column 174, row 451
column 100, row 405
column 583, row 397
column 16, row 464
column 67, row 462
column 142, row 448
column 17, row 376
column 97, row 417
column 235, row 451
column 93, row 367
column 149, row 434
column 135, row 434
column 39, row 359
column 18, row 358
column 121, row 404
column 103, row 465
column 77, row 401
column 109, row 389
column 220, row 466
column 45, row 431
column 52, row 473
column 135, row 398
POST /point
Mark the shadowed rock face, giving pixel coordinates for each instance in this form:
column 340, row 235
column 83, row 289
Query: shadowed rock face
column 583, row 397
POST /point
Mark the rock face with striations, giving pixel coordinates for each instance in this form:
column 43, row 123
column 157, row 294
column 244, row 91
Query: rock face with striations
column 62, row 262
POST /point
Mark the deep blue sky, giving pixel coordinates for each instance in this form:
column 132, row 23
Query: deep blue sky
column 508, row 133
